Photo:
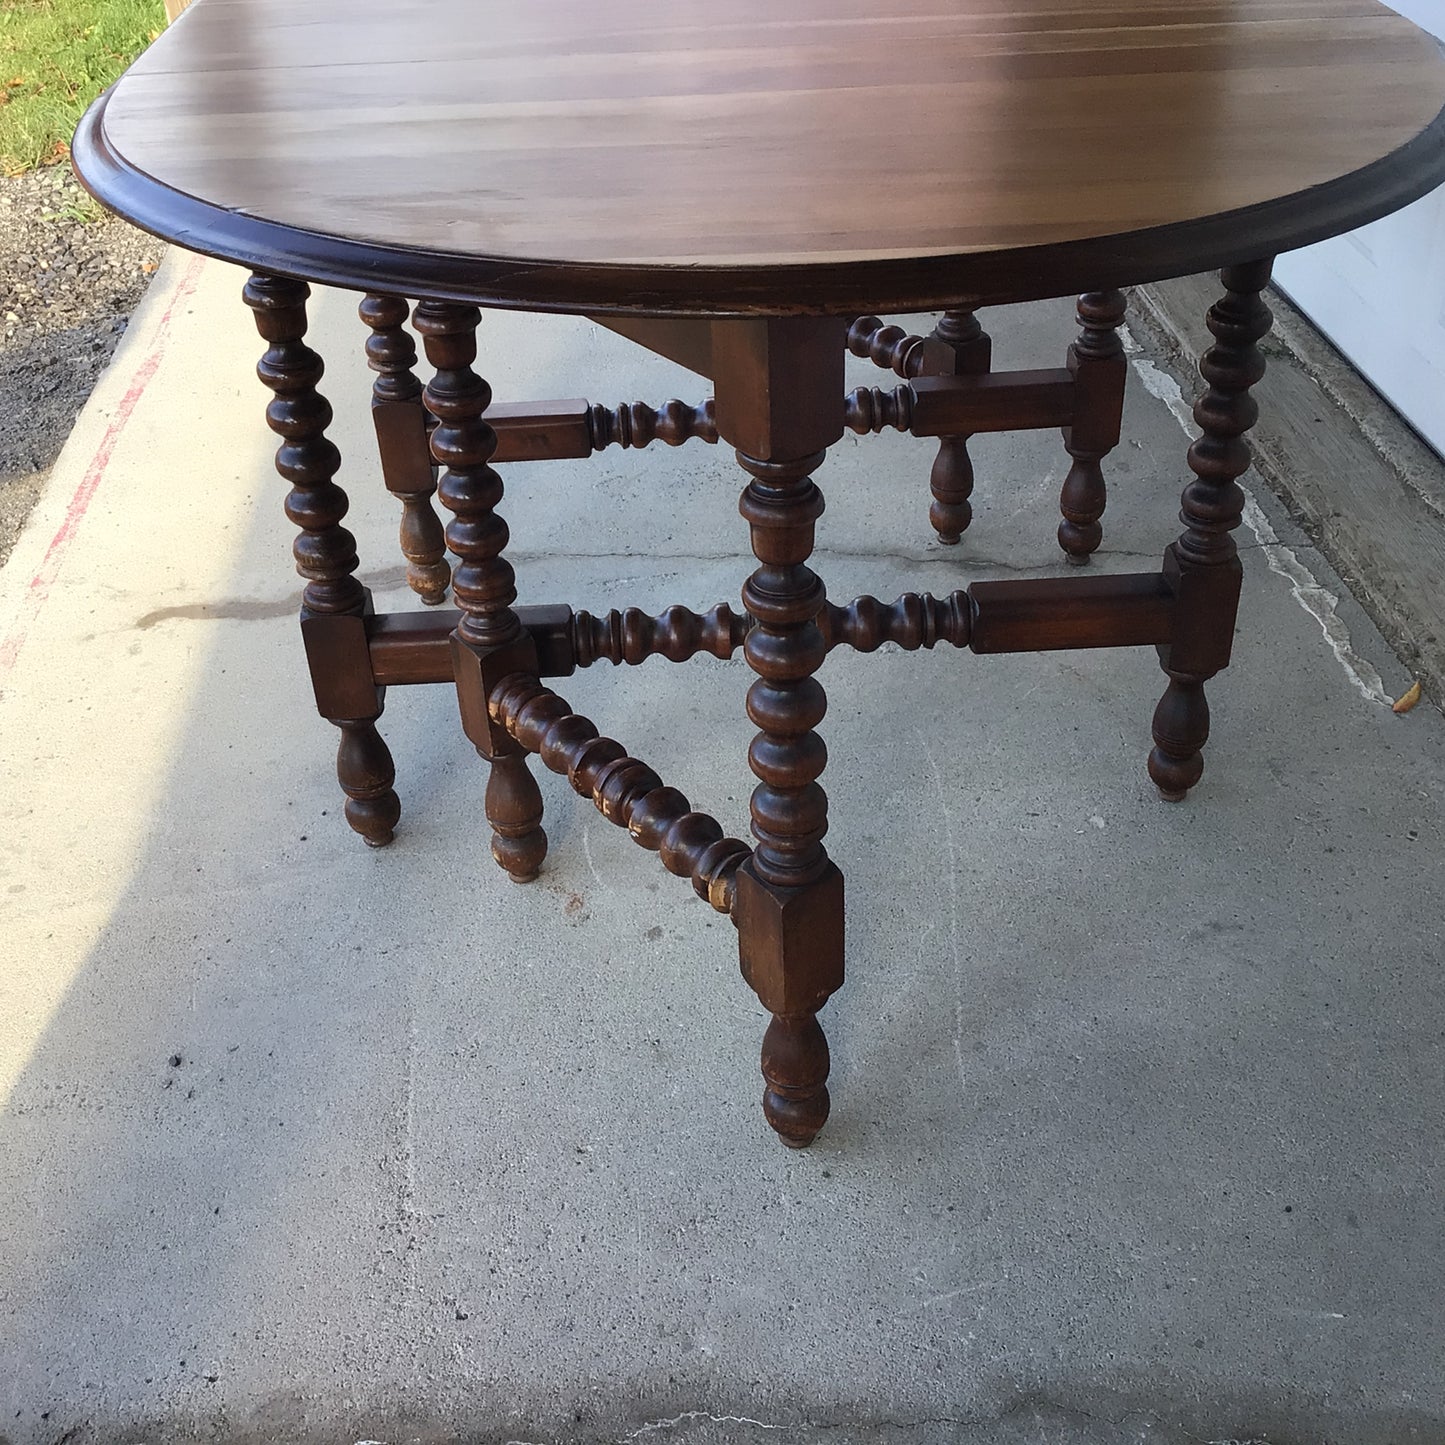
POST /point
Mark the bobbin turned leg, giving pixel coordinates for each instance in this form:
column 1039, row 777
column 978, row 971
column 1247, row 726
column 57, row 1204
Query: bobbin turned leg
column 1099, row 367
column 951, row 480
column 1203, row 565
column 489, row 642
column 406, row 467
column 334, row 605
column 779, row 401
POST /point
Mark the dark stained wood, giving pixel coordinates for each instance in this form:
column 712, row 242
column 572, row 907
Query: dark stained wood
column 678, row 634
column 956, row 407
column 401, row 437
column 945, row 406
column 770, row 401
column 639, row 425
column 779, row 401
column 1202, row 567
column 1050, row 614
column 1037, row 615
column 1089, row 410
column 338, row 656
column 333, row 602
column 916, row 620
column 625, row 791
column 1377, row 511
column 537, row 431
column 895, row 350
column 489, row 642
column 688, row 343
column 869, row 409
column 951, row 479
column 409, row 648
column 1099, row 369
column 731, row 163
column 366, row 773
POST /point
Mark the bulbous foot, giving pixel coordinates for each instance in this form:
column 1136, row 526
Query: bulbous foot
column 795, row 1068
column 1181, row 728
column 365, row 771
column 514, row 809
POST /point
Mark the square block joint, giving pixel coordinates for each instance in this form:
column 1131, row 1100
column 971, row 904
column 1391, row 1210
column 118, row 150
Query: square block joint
column 790, row 940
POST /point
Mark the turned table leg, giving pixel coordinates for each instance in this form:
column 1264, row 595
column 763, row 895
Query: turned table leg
column 406, row 467
column 490, row 642
column 1203, row 567
column 334, row 604
column 1097, row 361
column 951, row 480
column 779, row 401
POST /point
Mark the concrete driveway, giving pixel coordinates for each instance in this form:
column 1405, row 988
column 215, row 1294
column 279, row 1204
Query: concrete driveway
column 1137, row 1129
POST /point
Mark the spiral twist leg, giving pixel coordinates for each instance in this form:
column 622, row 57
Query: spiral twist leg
column 334, row 602
column 790, row 896
column 632, row 635
column 635, row 424
column 1203, row 565
column 951, row 480
column 892, row 348
column 400, row 420
column 490, row 642
column 625, row 791
column 1099, row 367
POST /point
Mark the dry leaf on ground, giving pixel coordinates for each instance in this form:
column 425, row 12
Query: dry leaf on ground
column 1408, row 700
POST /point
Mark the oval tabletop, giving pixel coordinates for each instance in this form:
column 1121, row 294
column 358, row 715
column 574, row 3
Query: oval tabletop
column 715, row 157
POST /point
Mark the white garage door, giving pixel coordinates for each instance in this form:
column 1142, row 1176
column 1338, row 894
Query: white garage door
column 1379, row 293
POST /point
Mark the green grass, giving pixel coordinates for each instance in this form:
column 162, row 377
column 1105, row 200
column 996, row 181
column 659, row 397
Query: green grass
column 56, row 56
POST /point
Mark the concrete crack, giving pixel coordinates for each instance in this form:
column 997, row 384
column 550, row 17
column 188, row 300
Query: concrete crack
column 688, row 1416
column 1040, row 1410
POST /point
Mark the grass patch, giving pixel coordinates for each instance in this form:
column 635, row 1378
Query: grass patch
column 56, row 56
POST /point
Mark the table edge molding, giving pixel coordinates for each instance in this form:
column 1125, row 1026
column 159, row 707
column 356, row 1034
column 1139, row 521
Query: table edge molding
column 837, row 288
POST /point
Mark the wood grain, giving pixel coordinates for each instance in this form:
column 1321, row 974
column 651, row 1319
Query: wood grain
column 726, row 158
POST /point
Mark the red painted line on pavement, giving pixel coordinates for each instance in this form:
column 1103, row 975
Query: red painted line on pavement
column 42, row 583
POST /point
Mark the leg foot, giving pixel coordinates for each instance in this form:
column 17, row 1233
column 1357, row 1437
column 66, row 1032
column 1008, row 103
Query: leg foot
column 366, row 773
column 951, row 483
column 514, row 809
column 1082, row 504
column 795, row 1068
column 1181, row 728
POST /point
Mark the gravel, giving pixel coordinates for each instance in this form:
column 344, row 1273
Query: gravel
column 70, row 276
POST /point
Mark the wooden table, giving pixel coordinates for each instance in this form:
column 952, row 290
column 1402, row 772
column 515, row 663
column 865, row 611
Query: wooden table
column 739, row 185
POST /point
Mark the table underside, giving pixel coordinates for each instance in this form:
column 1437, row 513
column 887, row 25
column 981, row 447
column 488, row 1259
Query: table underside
column 779, row 401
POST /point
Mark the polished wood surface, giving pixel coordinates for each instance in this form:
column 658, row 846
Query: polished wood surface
column 737, row 156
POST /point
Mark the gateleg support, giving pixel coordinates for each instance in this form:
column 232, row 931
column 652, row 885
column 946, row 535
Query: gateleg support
column 1099, row 368
column 951, row 480
column 400, row 420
